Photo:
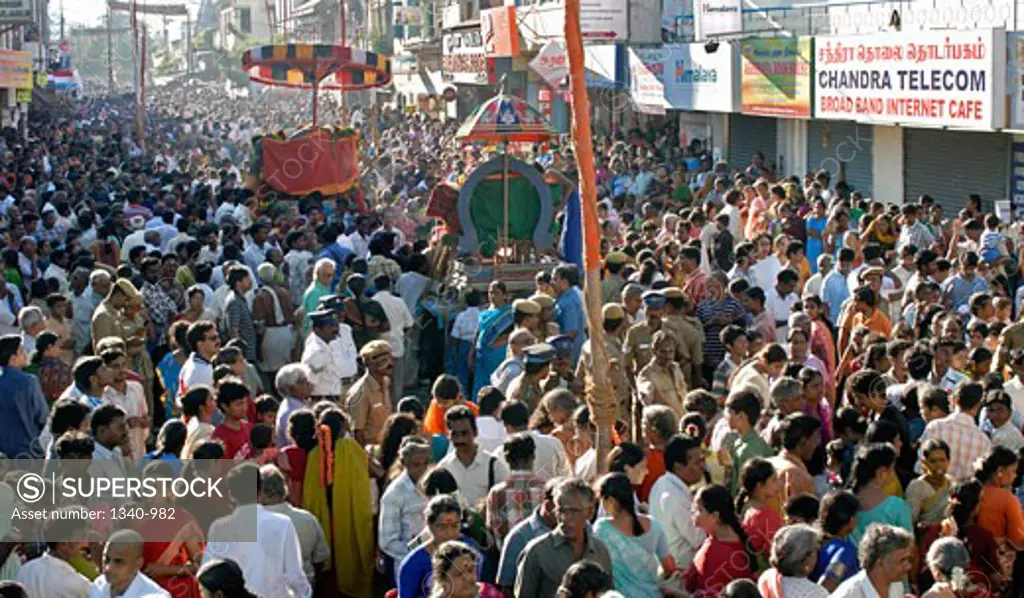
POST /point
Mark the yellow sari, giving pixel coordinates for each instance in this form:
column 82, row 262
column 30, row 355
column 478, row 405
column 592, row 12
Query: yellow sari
column 348, row 520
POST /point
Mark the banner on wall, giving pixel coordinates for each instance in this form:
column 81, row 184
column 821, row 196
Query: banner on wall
column 551, row 63
column 15, row 69
column 934, row 78
column 776, row 77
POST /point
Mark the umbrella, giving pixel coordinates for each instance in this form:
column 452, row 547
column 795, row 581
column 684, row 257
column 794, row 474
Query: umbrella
column 505, row 119
column 316, row 66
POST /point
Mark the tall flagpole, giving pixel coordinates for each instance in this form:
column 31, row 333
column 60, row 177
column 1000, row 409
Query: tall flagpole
column 600, row 394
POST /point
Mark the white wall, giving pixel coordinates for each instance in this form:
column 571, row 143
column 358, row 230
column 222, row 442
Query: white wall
column 887, row 164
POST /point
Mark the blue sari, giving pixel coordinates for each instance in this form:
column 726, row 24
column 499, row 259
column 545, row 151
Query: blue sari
column 493, row 324
column 815, row 246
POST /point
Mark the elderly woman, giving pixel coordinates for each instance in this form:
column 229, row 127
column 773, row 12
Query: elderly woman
column 271, row 313
column 948, row 560
column 454, row 566
column 794, row 554
column 886, row 555
column 31, row 320
column 401, row 506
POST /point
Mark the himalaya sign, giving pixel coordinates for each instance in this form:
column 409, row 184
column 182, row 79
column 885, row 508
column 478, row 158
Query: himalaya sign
column 715, row 18
column 687, row 75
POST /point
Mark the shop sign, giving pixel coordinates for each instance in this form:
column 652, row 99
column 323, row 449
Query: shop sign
column 715, row 18
column 16, row 11
column 15, row 69
column 776, row 77
column 606, row 20
column 1015, row 85
column 463, row 60
column 1017, row 182
column 683, row 77
column 408, row 15
column 647, row 80
column 499, row 32
column 551, row 63
column 935, row 78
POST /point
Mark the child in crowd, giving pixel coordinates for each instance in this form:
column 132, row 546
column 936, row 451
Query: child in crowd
column 993, row 243
column 760, row 491
column 197, row 408
column 743, row 409
column 802, row 508
column 263, row 442
column 928, row 494
column 445, row 394
column 934, row 403
column 490, row 430
column 734, row 339
column 850, row 428
column 266, row 410
column 837, row 557
column 980, row 363
column 234, row 431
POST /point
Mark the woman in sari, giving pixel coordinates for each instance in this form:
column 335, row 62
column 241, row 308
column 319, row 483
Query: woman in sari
column 999, row 511
column 815, row 228
column 636, row 543
column 292, row 458
column 822, row 344
column 492, row 336
column 174, row 545
column 336, row 490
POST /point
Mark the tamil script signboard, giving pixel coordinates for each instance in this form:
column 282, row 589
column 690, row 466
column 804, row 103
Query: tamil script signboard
column 776, row 77
column 934, row 78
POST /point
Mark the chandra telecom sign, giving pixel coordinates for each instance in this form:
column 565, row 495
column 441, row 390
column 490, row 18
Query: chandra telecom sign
column 935, row 78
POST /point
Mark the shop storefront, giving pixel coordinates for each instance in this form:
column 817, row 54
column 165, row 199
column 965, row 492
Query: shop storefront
column 844, row 150
column 950, row 165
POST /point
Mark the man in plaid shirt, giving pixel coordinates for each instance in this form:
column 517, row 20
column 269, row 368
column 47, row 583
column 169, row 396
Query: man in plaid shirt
column 515, row 499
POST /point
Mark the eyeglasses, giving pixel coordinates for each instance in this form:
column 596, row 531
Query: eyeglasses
column 211, row 338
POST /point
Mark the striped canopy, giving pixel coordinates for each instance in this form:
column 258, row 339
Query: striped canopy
column 505, row 119
column 324, row 65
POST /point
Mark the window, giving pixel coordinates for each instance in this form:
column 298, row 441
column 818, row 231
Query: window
column 245, row 20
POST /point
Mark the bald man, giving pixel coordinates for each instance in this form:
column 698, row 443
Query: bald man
column 122, row 570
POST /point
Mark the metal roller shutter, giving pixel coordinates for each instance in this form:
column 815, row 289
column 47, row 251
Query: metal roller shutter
column 749, row 135
column 833, row 145
column 950, row 165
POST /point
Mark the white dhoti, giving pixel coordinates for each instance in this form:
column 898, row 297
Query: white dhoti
column 276, row 348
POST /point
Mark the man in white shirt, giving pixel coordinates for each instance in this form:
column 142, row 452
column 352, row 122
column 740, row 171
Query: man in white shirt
column 203, row 342
column 122, row 570
column 399, row 320
column 671, row 498
column 332, row 371
column 137, row 238
column 313, row 546
column 888, row 555
column 474, row 470
column 51, row 574
column 263, row 543
column 549, row 458
column 779, row 302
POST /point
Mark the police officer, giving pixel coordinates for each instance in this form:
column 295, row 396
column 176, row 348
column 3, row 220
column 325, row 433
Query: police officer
column 688, row 331
column 527, row 386
column 561, row 374
column 343, row 347
column 613, row 282
column 614, row 318
column 661, row 382
column 638, row 348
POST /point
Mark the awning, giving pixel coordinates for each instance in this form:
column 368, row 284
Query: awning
column 601, row 69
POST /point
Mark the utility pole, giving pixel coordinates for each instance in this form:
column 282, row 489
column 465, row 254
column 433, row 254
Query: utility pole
column 188, row 44
column 110, row 50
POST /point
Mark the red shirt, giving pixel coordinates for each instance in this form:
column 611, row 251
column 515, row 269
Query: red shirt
column 761, row 526
column 715, row 565
column 236, row 442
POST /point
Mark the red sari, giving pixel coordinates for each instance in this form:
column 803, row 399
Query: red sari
column 171, row 552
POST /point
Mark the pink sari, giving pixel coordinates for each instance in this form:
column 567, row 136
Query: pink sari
column 823, row 347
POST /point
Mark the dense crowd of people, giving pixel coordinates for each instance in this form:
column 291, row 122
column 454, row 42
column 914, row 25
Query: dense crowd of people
column 819, row 393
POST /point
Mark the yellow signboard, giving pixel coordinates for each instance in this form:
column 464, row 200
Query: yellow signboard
column 15, row 69
column 776, row 77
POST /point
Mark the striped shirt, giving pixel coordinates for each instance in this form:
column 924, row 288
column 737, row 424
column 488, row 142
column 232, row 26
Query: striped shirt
column 512, row 501
column 965, row 439
column 238, row 316
column 715, row 315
